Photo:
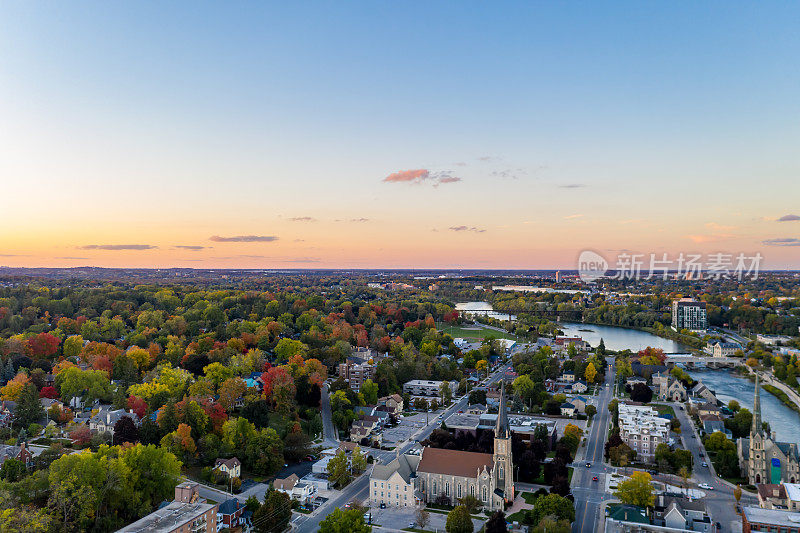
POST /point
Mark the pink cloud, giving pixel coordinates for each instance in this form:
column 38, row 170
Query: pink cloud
column 422, row 175
column 406, row 176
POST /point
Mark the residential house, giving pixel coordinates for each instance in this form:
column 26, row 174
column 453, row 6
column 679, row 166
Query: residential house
column 229, row 514
column 568, row 376
column 708, row 409
column 681, row 514
column 579, row 402
column 20, row 453
column 579, row 387
column 779, row 496
column 232, row 467
column 105, row 420
column 567, row 409
column 701, row 391
column 297, row 489
column 393, row 404
column 7, row 410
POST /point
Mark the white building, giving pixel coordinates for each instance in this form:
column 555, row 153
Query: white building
column 423, row 387
column 393, row 484
column 642, row 429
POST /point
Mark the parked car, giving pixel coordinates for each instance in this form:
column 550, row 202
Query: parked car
column 594, row 478
column 705, row 486
column 588, row 465
column 704, row 464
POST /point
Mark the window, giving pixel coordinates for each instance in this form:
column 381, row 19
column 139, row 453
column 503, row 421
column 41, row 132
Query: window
column 447, row 488
column 472, row 490
column 484, row 493
column 501, row 472
column 459, row 490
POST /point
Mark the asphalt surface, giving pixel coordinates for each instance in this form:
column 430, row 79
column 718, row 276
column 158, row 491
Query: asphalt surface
column 720, row 503
column 589, row 494
column 359, row 488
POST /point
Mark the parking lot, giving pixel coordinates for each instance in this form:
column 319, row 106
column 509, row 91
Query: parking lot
column 404, row 517
column 405, row 429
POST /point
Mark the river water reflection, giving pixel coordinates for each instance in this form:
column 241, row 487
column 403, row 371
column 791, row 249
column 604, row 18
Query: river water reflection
column 728, row 386
column 616, row 338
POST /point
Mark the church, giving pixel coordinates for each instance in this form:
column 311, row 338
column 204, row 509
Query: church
column 453, row 474
column 764, row 460
column 439, row 475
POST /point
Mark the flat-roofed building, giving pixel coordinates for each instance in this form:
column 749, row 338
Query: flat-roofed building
column 641, row 428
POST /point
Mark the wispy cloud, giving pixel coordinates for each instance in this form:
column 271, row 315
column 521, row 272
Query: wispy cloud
column 244, row 238
column 14, row 255
column 509, row 173
column 467, row 228
column 787, row 241
column 303, row 219
column 577, row 215
column 700, row 239
column 713, row 226
column 354, row 220
column 489, row 158
column 117, row 247
column 572, row 186
column 72, row 257
column 789, row 218
column 422, row 175
column 190, row 247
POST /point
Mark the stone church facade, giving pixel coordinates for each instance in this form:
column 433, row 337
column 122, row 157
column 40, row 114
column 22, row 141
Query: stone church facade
column 764, row 460
column 452, row 474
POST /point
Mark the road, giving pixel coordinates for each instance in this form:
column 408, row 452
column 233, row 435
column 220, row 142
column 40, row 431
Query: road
column 329, row 433
column 588, row 494
column 720, row 501
column 359, row 488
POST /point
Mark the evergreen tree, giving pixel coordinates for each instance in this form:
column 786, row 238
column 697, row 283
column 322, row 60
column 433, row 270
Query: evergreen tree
column 29, row 408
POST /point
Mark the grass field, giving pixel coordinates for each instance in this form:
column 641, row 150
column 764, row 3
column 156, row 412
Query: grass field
column 473, row 332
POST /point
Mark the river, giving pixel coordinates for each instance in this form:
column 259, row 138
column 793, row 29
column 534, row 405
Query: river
column 728, row 386
column 483, row 309
column 617, row 338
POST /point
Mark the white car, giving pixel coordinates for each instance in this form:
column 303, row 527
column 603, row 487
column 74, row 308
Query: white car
column 705, row 486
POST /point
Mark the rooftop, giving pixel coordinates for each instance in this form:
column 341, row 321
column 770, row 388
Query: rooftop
column 771, row 516
column 168, row 518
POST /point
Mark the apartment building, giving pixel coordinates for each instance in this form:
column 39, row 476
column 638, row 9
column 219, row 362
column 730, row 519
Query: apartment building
column 689, row 314
column 642, row 429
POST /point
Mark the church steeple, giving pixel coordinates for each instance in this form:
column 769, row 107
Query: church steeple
column 757, row 428
column 501, row 430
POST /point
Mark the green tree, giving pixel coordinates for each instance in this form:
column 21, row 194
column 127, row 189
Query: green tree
column 636, row 490
column 89, row 385
column 552, row 505
column 274, row 514
column 370, row 392
column 349, row 521
column 445, row 392
column 591, row 410
column 358, row 461
column 524, row 387
column 339, row 470
column 12, row 470
column 496, row 523
column 154, row 472
column 549, row 525
column 29, row 408
column 459, row 520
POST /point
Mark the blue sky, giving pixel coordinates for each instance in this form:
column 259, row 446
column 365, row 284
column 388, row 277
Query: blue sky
column 571, row 125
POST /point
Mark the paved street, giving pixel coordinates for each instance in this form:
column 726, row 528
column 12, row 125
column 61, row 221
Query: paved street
column 589, row 494
column 720, row 501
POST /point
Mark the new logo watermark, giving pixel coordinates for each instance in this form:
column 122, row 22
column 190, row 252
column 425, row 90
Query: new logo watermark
column 593, row 266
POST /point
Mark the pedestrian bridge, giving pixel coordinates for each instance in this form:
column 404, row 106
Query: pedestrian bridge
column 708, row 361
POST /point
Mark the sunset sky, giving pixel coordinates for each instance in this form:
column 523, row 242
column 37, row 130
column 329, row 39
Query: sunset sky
column 395, row 134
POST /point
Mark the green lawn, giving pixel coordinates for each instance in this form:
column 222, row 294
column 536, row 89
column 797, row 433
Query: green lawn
column 664, row 409
column 529, row 497
column 519, row 516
